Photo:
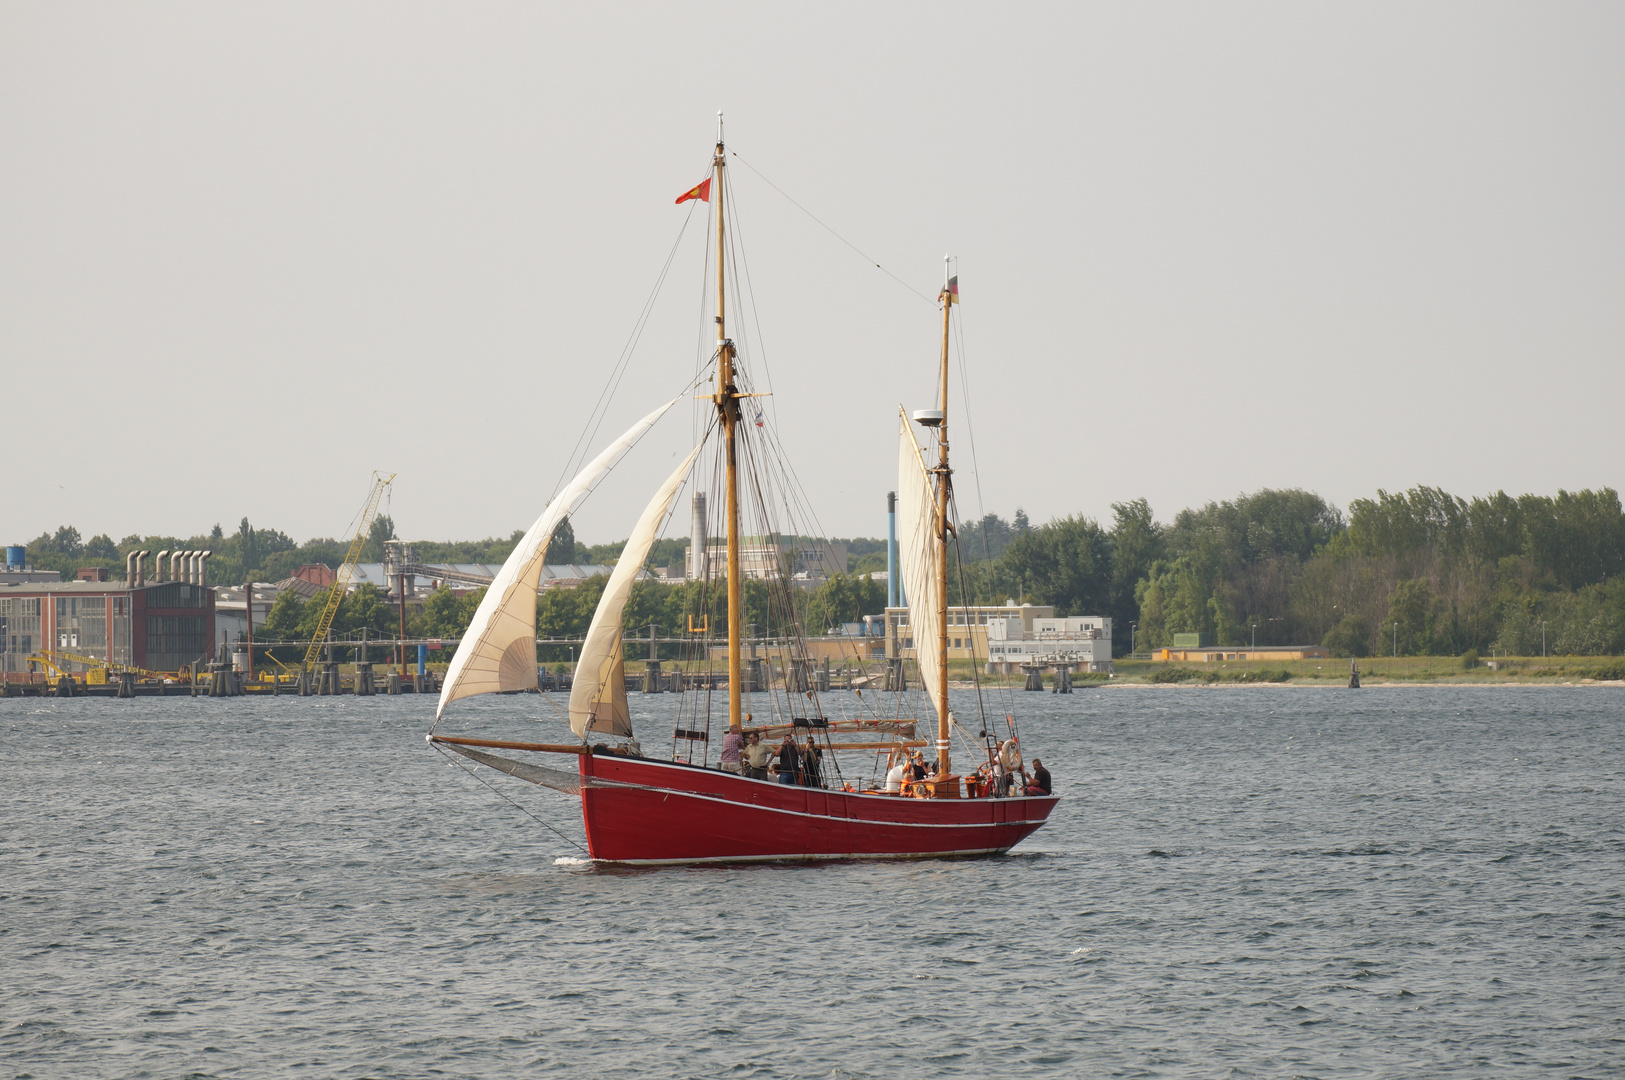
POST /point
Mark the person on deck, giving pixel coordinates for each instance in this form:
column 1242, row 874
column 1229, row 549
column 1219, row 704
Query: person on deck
column 1041, row 782
column 898, row 770
column 756, row 756
column 1010, row 758
column 789, row 761
column 811, row 760
column 730, row 750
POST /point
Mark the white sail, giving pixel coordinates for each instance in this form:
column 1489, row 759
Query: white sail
column 498, row 650
column 920, row 555
column 598, row 698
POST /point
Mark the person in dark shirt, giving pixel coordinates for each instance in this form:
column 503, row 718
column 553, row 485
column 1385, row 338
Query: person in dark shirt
column 1041, row 781
column 789, row 761
column 811, row 761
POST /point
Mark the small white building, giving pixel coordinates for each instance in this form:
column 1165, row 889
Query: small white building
column 1084, row 642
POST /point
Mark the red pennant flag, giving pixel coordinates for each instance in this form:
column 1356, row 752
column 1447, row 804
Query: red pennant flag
column 700, row 191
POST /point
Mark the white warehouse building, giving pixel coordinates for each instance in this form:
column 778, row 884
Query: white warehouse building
column 1084, row 642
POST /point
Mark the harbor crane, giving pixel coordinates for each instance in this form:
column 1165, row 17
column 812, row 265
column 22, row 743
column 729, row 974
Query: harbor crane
column 341, row 584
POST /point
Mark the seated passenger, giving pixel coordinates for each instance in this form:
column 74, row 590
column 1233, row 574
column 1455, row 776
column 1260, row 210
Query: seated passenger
column 1040, row 782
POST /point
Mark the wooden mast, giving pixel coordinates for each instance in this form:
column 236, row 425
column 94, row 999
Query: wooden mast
column 944, row 487
column 728, row 407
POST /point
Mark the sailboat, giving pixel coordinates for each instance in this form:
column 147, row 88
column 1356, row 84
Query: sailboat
column 644, row 810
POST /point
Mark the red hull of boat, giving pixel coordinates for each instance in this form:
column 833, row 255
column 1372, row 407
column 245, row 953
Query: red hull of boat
column 650, row 812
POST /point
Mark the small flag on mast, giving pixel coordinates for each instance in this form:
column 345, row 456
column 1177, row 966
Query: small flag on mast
column 950, row 290
column 700, row 191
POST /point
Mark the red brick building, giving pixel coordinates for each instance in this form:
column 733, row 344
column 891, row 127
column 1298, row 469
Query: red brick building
column 160, row 627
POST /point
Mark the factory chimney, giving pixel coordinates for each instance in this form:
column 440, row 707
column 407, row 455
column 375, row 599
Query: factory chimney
column 699, row 554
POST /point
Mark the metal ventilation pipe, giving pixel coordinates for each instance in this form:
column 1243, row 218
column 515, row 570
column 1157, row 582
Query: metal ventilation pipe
column 158, row 565
column 129, row 567
column 202, row 557
column 174, row 564
column 189, row 566
column 140, row 568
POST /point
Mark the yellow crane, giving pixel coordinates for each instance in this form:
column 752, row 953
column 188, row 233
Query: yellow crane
column 56, row 658
column 342, row 583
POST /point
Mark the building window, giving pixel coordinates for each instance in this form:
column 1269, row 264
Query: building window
column 81, row 625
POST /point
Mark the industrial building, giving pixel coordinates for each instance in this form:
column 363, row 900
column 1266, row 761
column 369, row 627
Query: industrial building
column 1082, row 643
column 805, row 561
column 159, row 625
column 1012, row 636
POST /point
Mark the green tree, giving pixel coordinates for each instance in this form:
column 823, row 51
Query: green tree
column 561, row 548
column 381, row 529
column 1409, row 623
column 1066, row 563
column 1136, row 545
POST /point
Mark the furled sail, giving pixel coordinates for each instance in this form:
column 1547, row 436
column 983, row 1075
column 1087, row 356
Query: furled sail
column 498, row 650
column 598, row 698
column 920, row 554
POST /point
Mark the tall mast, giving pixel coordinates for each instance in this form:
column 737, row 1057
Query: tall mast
column 727, row 402
column 944, row 487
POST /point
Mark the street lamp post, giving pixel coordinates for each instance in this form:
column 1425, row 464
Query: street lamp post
column 1543, row 639
column 1396, row 639
column 1132, row 627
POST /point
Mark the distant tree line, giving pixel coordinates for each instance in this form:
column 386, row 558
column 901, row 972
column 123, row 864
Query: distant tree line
column 1421, row 572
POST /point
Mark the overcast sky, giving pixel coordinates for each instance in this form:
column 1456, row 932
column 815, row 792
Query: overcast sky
column 253, row 252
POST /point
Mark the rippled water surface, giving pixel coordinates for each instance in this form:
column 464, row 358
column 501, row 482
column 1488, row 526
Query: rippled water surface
column 1239, row 882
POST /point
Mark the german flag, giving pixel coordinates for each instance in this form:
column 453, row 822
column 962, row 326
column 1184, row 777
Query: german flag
column 700, row 191
column 950, row 290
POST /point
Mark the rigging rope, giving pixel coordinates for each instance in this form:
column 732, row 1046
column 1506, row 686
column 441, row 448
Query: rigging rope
column 595, row 418
column 831, row 231
column 504, row 795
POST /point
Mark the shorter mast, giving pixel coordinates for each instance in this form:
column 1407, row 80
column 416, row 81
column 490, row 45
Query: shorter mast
column 950, row 290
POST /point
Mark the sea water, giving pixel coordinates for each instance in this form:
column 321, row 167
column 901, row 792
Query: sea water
column 1249, row 881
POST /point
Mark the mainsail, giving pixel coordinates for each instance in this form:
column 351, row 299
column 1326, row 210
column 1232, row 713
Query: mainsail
column 920, row 554
column 598, row 698
column 498, row 650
